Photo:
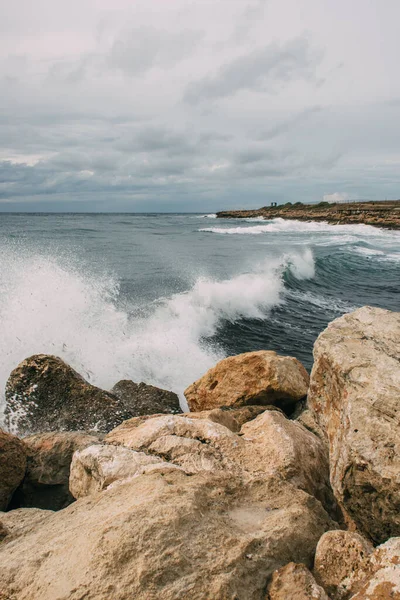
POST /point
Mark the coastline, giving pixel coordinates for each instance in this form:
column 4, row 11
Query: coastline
column 378, row 214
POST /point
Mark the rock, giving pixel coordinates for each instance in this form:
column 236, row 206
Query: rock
column 269, row 445
column 354, row 393
column 168, row 536
column 340, row 560
column 97, row 467
column 232, row 418
column 308, row 419
column 12, row 466
column 20, row 521
column 295, row 582
column 46, row 482
column 252, row 378
column 45, row 394
column 381, row 578
column 4, row 531
column 145, row 399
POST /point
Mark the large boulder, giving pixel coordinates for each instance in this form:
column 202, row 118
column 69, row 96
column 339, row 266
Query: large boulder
column 46, row 481
column 18, row 522
column 12, row 466
column 268, row 445
column 169, row 536
column 340, row 560
column 355, row 395
column 145, row 399
column 45, row 394
column 261, row 377
column 295, row 582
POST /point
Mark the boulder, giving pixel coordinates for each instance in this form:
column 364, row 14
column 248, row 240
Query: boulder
column 258, row 378
column 381, row 577
column 340, row 560
column 4, row 531
column 12, row 466
column 49, row 456
column 355, row 395
column 18, row 522
column 97, row 467
column 145, row 399
column 45, row 394
column 269, row 445
column 295, row 582
column 169, row 536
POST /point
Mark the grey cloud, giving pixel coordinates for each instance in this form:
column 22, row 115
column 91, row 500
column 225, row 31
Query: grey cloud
column 259, row 70
column 288, row 124
column 250, row 16
column 137, row 50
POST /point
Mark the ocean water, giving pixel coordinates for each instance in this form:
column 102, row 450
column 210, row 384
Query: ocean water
column 160, row 298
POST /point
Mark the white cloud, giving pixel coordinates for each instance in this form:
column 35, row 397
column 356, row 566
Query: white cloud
column 336, row 197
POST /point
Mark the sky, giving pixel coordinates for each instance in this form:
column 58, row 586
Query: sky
column 197, row 105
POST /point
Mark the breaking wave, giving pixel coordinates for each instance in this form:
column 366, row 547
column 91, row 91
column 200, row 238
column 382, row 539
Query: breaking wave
column 56, row 306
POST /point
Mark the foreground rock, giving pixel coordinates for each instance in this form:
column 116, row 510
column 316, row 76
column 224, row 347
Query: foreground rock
column 295, row 582
column 49, row 456
column 268, row 445
column 341, row 558
column 12, row 466
column 169, row 536
column 45, row 394
column 252, row 378
column 18, row 522
column 354, row 393
column 144, row 399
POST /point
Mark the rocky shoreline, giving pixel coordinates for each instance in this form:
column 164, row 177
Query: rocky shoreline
column 276, row 486
column 380, row 214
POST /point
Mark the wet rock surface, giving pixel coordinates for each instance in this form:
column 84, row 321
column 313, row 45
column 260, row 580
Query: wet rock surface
column 145, row 399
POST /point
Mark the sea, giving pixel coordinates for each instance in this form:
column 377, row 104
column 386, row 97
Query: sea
column 160, row 298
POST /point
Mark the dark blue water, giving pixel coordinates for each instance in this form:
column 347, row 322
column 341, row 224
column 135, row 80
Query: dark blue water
column 160, row 298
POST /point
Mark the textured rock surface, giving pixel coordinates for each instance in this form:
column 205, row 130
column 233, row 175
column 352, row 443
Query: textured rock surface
column 295, row 582
column 340, row 559
column 381, row 577
column 232, row 418
column 45, row 394
column 4, row 531
column 12, row 466
column 355, row 393
column 96, row 467
column 46, row 482
column 169, row 536
column 269, row 445
column 22, row 520
column 144, row 399
column 261, row 377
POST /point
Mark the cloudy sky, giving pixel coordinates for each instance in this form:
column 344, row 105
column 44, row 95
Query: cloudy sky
column 197, row 105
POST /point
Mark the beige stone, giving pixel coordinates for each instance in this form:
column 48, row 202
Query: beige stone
column 340, row 560
column 295, row 582
column 22, row 520
column 12, row 466
column 168, row 536
column 261, row 377
column 355, row 395
column 95, row 468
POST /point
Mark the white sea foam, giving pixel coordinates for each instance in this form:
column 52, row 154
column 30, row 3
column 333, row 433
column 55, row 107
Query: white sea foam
column 279, row 225
column 49, row 306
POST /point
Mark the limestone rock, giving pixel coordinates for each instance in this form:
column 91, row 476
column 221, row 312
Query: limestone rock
column 4, row 531
column 354, row 393
column 168, row 536
column 269, row 445
column 97, row 467
column 18, row 522
column 145, row 399
column 341, row 558
column 261, row 377
column 381, row 577
column 49, row 456
column 232, row 418
column 45, row 394
column 295, row 582
column 12, row 466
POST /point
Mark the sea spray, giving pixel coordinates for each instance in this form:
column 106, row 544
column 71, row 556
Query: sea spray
column 55, row 306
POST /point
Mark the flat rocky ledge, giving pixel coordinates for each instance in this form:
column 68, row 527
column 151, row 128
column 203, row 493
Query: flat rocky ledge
column 380, row 214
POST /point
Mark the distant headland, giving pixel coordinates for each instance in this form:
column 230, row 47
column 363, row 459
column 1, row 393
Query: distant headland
column 378, row 213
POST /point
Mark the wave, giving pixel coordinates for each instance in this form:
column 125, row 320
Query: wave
column 280, row 225
column 56, row 306
column 210, row 216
